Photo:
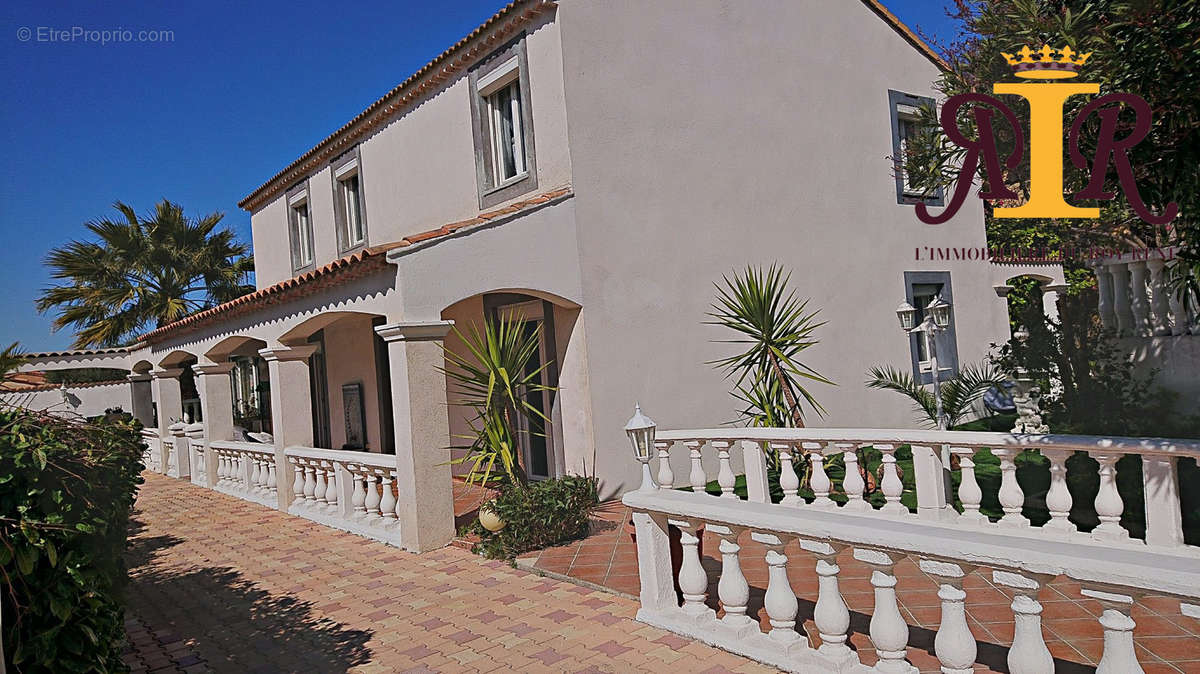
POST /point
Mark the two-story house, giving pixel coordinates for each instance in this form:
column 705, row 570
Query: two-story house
column 598, row 165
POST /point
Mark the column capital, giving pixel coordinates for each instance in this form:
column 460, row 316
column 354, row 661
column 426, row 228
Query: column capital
column 1116, row 267
column 414, row 331
column 167, row 373
column 287, row 353
column 212, row 368
column 1055, row 288
column 145, row 376
column 1156, row 264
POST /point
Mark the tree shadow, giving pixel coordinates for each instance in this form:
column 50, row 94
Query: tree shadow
column 140, row 550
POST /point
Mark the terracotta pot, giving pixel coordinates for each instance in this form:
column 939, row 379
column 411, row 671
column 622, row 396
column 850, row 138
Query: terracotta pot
column 489, row 519
column 675, row 535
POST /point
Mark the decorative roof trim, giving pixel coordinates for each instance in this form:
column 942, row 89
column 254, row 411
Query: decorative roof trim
column 907, row 33
column 42, row 355
column 357, row 265
column 502, row 24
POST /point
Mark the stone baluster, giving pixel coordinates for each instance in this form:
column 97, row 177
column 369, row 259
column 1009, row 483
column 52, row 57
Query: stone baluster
column 319, row 489
column 359, row 500
column 1179, row 318
column 222, row 467
column 696, row 477
column 853, row 484
column 1028, row 653
column 272, row 482
column 372, row 501
column 725, row 477
column 969, row 491
column 298, row 482
column 1164, row 518
column 1159, row 304
column 818, row 479
column 331, row 486
column 1012, row 497
column 1120, row 286
column 1058, row 498
column 889, row 632
column 732, row 588
column 1139, row 304
column 258, row 480
column 891, row 485
column 789, row 482
column 666, row 478
column 693, row 580
column 1108, row 316
column 830, row 615
column 953, row 644
column 310, row 482
column 779, row 601
column 1109, row 505
column 387, row 504
column 1118, row 656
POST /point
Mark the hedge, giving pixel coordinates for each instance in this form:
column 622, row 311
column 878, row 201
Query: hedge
column 66, row 491
column 538, row 515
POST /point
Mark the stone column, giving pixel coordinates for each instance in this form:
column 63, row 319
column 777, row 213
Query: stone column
column 1050, row 295
column 141, row 398
column 1108, row 318
column 1120, row 294
column 291, row 408
column 167, row 395
column 216, row 404
column 426, row 506
column 1139, row 304
column 1159, row 304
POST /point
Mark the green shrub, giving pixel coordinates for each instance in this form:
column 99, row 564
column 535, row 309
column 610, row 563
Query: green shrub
column 538, row 515
column 66, row 491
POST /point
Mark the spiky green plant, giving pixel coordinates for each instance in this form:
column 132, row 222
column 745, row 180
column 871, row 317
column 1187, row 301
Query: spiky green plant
column 493, row 378
column 959, row 394
column 774, row 328
column 11, row 358
column 143, row 273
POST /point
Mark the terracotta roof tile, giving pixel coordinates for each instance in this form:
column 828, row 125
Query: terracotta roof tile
column 339, row 271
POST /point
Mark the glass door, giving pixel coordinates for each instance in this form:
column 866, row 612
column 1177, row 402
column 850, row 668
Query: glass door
column 533, row 433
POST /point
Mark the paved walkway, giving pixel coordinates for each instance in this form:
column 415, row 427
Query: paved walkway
column 1167, row 642
column 224, row 585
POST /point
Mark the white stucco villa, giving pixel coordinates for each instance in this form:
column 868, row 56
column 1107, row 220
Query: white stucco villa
column 601, row 165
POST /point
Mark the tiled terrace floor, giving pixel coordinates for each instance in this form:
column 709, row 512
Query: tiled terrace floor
column 1166, row 640
column 224, row 585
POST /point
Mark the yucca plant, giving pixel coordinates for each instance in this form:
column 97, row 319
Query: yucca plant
column 774, row 328
column 959, row 394
column 493, row 379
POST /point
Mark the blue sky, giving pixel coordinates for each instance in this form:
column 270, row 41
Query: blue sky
column 237, row 93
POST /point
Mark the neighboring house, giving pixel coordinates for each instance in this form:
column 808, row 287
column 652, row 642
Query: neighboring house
column 32, row 389
column 597, row 166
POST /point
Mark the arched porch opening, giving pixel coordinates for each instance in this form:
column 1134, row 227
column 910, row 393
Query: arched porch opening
column 349, row 380
column 564, row 446
column 191, row 411
column 249, row 384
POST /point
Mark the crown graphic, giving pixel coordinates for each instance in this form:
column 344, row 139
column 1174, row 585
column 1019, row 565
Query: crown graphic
column 1047, row 67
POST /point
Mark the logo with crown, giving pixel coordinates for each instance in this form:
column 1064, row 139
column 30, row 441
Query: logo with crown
column 1054, row 64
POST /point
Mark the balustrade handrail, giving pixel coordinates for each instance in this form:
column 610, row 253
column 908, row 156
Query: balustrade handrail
column 343, row 456
column 975, row 439
column 240, row 446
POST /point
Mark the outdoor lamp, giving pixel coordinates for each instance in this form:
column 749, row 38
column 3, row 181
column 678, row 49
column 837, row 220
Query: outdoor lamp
column 641, row 434
column 908, row 316
column 62, row 391
column 940, row 310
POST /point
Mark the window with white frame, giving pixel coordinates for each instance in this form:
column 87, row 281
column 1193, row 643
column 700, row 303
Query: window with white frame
column 906, row 115
column 301, row 231
column 503, row 125
column 348, row 203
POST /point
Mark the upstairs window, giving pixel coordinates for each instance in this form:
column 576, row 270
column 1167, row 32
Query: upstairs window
column 503, row 125
column 905, row 114
column 300, row 227
column 348, row 204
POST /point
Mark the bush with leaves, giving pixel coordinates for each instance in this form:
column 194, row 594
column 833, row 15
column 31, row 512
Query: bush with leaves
column 66, row 491
column 538, row 515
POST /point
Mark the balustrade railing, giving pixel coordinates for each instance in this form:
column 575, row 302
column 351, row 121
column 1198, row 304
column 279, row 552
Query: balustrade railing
column 246, row 470
column 152, row 455
column 835, row 515
column 348, row 490
column 197, row 454
column 1135, row 298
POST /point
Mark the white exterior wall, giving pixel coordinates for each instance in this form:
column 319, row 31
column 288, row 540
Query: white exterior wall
column 706, row 137
column 84, row 401
column 418, row 171
column 349, row 359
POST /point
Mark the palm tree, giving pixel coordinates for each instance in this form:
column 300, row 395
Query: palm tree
column 959, row 394
column 10, row 359
column 143, row 273
column 774, row 330
column 494, row 380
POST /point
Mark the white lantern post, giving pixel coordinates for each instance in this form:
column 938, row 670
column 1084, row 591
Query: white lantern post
column 640, row 430
column 937, row 319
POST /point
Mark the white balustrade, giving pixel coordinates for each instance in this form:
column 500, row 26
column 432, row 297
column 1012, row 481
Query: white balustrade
column 1135, row 297
column 1023, row 557
column 349, row 490
column 244, row 470
column 152, row 455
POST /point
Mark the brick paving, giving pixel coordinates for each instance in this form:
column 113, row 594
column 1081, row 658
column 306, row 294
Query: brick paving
column 224, row 585
column 1167, row 642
